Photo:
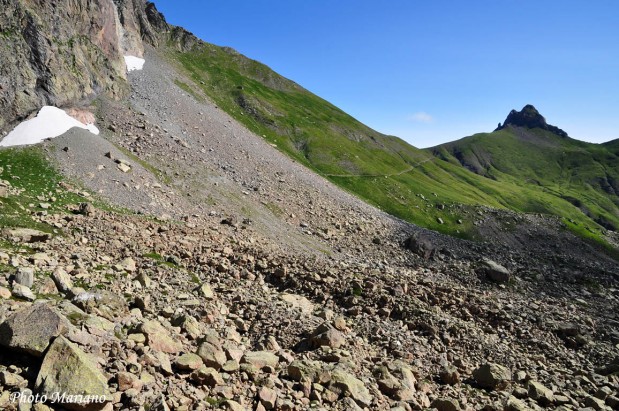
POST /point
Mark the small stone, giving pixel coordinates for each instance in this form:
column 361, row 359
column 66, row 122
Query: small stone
column 138, row 338
column 595, row 403
column 207, row 291
column 5, row 293
column 340, row 323
column 233, row 406
column 164, row 363
column 230, row 366
column 26, row 235
column 11, row 380
column 128, row 264
column 271, row 344
column 304, row 370
column 86, row 209
column 144, row 280
column 23, row 292
column 62, row 280
column 449, row 375
column 613, row 402
column 127, row 381
column 191, row 326
column 326, row 335
column 124, row 167
column 514, row 404
column 345, row 383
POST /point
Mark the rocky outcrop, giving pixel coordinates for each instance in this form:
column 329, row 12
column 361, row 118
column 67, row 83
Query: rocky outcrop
column 60, row 53
column 529, row 117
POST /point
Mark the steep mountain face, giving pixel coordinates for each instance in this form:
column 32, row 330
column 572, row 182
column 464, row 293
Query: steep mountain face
column 68, row 50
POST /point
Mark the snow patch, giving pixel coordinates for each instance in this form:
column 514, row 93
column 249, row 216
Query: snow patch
column 50, row 122
column 134, row 63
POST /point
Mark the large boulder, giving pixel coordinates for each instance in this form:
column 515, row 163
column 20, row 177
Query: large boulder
column 496, row 272
column 32, row 329
column 305, row 370
column 260, row 359
column 346, row 384
column 326, row 335
column 70, row 373
column 159, row 339
column 421, row 244
column 212, row 355
column 544, row 396
column 492, row 376
column 26, row 235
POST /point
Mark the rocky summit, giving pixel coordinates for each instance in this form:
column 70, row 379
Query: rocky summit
column 180, row 261
column 529, row 117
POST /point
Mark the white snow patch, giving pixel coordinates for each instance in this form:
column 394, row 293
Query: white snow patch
column 134, row 63
column 50, row 122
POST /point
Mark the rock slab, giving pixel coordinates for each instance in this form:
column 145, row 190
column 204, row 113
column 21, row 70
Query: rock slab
column 67, row 370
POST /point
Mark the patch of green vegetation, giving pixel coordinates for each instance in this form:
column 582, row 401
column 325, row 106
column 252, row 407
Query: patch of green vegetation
column 8, row 33
column 161, row 176
column 154, row 256
column 189, row 90
column 275, row 209
column 76, row 318
column 215, row 402
column 27, row 170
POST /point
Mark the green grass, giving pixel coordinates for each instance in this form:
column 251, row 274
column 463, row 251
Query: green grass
column 393, row 175
column 28, row 170
column 146, row 165
column 189, row 90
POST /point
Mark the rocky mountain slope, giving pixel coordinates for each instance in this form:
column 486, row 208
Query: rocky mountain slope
column 180, row 261
column 433, row 191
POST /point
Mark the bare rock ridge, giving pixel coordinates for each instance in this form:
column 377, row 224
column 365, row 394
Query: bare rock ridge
column 68, row 50
column 529, row 117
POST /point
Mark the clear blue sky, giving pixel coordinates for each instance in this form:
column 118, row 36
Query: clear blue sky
column 434, row 70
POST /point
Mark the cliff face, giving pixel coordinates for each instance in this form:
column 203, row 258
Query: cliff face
column 61, row 52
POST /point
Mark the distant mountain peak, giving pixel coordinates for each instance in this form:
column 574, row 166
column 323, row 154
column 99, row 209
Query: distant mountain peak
column 529, row 117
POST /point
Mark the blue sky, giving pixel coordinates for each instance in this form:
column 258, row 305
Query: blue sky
column 432, row 71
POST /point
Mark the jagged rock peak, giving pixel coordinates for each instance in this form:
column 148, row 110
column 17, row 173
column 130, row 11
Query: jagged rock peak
column 529, row 117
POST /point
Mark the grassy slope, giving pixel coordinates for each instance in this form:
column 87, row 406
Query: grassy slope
column 579, row 173
column 34, row 180
column 332, row 143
